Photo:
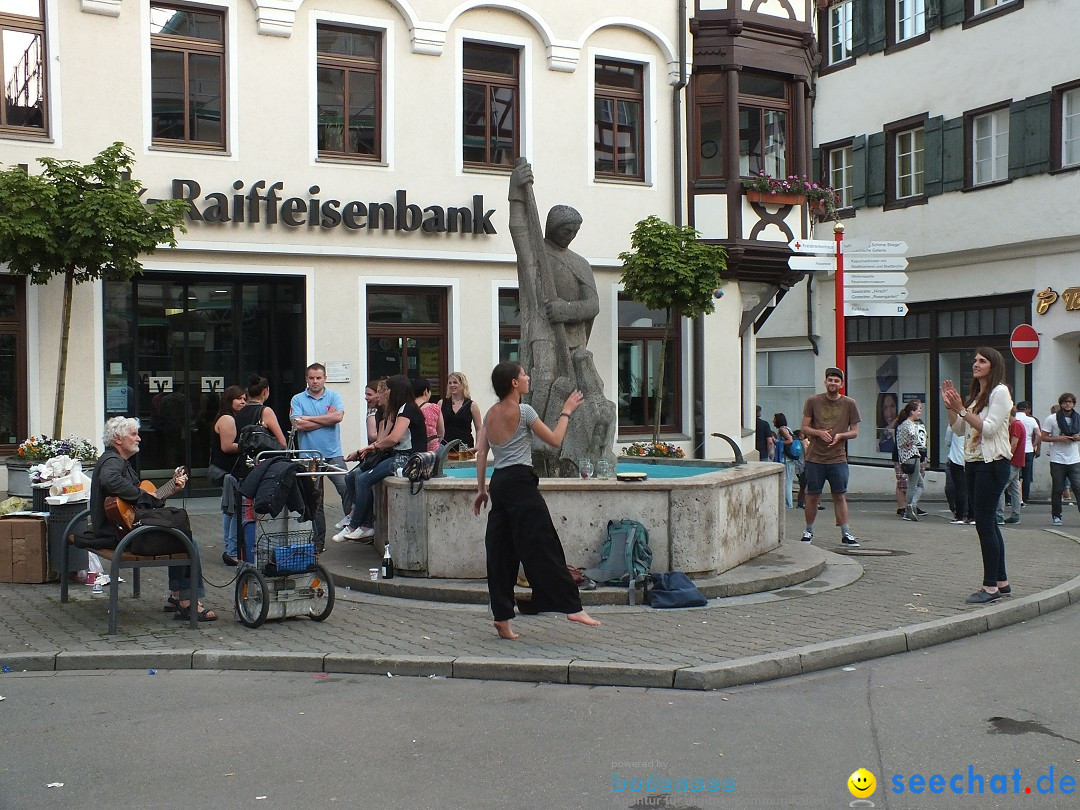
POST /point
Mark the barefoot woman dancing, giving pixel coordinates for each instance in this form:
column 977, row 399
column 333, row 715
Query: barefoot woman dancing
column 519, row 526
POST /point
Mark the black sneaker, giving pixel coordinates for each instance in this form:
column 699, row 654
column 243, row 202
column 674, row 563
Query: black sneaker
column 919, row 512
column 900, row 512
column 849, row 541
column 808, row 537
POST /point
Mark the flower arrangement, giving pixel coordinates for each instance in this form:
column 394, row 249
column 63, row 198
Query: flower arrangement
column 654, row 449
column 42, row 448
column 793, row 184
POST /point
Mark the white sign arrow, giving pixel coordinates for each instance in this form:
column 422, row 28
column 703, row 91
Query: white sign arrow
column 812, row 246
column 875, row 293
column 862, row 261
column 877, row 308
column 826, row 263
column 875, row 279
column 882, row 247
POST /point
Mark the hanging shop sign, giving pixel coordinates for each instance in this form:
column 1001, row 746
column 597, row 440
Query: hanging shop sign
column 269, row 205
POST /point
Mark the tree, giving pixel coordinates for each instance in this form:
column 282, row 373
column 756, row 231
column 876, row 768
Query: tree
column 83, row 222
column 669, row 269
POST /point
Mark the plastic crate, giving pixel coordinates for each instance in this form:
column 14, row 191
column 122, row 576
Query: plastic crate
column 293, row 559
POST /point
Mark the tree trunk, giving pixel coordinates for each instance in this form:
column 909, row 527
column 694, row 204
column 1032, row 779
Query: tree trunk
column 658, row 397
column 61, row 369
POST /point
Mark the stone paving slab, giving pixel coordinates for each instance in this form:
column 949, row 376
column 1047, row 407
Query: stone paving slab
column 915, row 577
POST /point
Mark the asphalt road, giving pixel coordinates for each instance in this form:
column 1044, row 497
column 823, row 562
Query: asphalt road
column 995, row 703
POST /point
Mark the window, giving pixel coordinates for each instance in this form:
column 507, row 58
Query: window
column 989, row 5
column 785, row 378
column 910, row 19
column 619, row 120
column 187, row 76
column 763, row 125
column 641, row 333
column 490, row 120
column 909, row 163
column 350, row 92
column 709, row 105
column 406, row 333
column 1069, row 110
column 22, row 53
column 989, row 147
column 840, row 32
column 509, row 326
column 13, row 425
column 841, row 175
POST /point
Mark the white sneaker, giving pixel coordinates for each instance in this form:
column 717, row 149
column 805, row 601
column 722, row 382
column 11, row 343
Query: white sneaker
column 343, row 523
column 342, row 536
column 360, row 533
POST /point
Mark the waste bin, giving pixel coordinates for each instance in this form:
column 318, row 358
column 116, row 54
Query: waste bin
column 59, row 517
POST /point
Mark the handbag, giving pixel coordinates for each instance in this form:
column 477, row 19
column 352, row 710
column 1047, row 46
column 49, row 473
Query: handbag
column 418, row 469
column 674, row 589
column 154, row 544
column 371, row 460
column 908, row 467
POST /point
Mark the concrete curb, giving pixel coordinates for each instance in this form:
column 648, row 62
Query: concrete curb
column 720, row 675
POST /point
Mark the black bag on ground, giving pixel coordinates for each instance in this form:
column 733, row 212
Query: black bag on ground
column 153, row 544
column 674, row 589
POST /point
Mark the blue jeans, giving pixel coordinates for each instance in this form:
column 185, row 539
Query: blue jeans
column 228, row 531
column 363, row 494
column 789, row 476
column 817, row 474
column 319, row 522
column 988, row 481
column 180, row 581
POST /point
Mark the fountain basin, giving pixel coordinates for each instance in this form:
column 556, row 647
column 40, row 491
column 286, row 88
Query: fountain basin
column 703, row 524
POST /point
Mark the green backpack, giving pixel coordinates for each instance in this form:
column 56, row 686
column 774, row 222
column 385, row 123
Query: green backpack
column 625, row 554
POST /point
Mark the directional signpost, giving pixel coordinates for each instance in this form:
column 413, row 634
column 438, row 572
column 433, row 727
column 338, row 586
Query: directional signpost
column 882, row 309
column 875, row 293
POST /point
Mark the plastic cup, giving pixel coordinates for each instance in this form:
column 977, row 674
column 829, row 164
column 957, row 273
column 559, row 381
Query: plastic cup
column 91, row 577
column 373, row 574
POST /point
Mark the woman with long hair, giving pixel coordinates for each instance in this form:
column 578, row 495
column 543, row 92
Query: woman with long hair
column 258, row 391
column 224, row 454
column 460, row 414
column 403, row 432
column 374, row 408
column 909, row 453
column 519, row 529
column 784, row 438
column 983, row 416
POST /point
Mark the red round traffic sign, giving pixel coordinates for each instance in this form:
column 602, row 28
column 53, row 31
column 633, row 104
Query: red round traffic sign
column 1024, row 344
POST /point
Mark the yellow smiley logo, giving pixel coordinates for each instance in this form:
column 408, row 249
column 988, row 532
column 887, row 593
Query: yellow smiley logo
column 862, row 784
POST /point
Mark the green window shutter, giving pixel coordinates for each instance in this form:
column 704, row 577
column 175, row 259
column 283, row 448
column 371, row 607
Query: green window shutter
column 933, row 14
column 932, row 156
column 1036, row 155
column 952, row 155
column 952, row 12
column 875, row 26
column 875, row 169
column 1017, row 128
column 858, row 171
column 858, row 27
column 816, row 175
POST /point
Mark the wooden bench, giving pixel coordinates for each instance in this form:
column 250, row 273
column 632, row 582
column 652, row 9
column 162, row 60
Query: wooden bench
column 121, row 558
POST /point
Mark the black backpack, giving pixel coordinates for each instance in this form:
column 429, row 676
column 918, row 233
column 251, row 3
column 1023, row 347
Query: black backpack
column 255, row 438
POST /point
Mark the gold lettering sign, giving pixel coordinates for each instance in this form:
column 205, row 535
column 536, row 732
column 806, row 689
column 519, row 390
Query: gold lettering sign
column 1046, row 298
column 1071, row 297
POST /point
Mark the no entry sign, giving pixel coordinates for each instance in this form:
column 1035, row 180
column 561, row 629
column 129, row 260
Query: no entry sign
column 1024, row 344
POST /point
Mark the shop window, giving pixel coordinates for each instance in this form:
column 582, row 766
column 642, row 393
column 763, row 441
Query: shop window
column 619, row 121
column 785, row 378
column 187, row 76
column 13, row 421
column 509, row 326
column 22, row 53
column 491, row 106
column 641, row 332
column 349, row 92
column 988, row 147
column 407, row 333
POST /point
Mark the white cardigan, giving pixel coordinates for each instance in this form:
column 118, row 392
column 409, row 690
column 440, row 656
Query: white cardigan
column 995, row 432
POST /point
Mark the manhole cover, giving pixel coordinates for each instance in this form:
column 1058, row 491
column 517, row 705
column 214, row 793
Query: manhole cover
column 871, row 552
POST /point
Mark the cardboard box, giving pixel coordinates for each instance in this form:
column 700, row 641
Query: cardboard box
column 23, row 551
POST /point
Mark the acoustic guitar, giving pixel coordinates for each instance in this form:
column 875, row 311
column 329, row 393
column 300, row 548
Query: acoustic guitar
column 122, row 512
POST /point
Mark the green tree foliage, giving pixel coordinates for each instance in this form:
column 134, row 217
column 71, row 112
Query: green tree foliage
column 669, row 268
column 83, row 222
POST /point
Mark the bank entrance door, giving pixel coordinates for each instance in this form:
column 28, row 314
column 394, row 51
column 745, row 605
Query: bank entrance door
column 173, row 344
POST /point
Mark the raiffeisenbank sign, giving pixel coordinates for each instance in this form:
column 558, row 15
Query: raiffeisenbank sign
column 270, row 205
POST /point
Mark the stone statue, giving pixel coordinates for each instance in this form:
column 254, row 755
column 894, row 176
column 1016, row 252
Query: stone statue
column 558, row 302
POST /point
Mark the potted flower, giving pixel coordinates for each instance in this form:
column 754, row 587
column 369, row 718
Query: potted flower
column 36, row 450
column 792, row 190
column 653, row 450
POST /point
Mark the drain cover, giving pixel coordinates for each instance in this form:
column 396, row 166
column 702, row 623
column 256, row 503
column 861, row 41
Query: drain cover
column 871, row 552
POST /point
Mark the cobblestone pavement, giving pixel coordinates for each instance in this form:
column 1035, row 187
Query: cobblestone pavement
column 912, row 573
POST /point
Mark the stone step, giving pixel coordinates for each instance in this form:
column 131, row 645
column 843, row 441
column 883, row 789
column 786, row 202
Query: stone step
column 790, row 564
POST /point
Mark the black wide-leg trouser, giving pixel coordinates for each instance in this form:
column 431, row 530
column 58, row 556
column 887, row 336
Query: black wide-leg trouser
column 520, row 530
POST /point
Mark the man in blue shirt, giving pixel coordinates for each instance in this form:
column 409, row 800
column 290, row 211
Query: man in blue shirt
column 316, row 415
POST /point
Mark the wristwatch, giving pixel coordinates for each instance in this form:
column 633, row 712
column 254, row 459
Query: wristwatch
column 962, row 413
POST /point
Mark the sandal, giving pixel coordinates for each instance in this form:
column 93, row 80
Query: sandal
column 172, row 604
column 205, row 615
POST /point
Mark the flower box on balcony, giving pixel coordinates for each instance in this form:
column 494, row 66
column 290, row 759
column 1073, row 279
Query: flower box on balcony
column 779, row 198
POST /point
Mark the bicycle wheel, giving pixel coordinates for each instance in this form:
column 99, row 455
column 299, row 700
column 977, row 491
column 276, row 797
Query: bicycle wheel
column 252, row 597
column 322, row 600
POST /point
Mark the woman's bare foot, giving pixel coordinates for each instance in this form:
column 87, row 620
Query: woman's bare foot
column 505, row 630
column 581, row 617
